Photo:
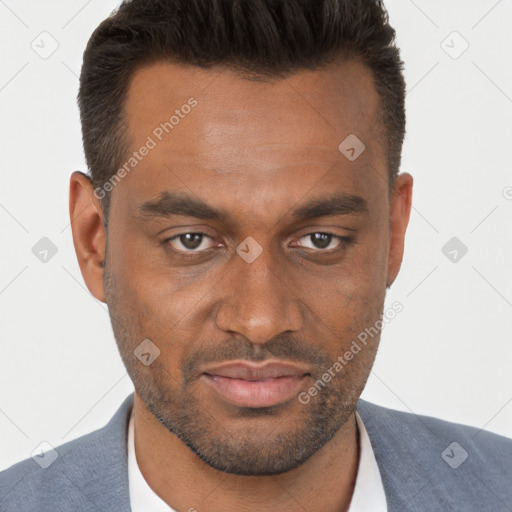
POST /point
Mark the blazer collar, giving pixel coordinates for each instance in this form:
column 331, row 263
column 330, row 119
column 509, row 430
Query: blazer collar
column 103, row 482
column 404, row 450
column 408, row 453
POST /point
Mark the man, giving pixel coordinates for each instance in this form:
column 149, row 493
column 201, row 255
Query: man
column 243, row 218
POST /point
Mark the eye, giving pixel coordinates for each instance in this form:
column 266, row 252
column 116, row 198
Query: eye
column 323, row 241
column 190, row 242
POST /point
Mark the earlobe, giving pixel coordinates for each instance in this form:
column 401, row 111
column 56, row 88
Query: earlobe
column 89, row 236
column 400, row 210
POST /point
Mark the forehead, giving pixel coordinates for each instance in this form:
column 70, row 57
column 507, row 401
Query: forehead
column 250, row 133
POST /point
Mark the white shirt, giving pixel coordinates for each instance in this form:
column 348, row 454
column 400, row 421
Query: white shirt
column 368, row 493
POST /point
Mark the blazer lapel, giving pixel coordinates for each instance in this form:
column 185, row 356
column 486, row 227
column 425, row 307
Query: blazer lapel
column 409, row 458
column 101, row 483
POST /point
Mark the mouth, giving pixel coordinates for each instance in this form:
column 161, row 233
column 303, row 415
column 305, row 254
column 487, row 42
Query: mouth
column 248, row 384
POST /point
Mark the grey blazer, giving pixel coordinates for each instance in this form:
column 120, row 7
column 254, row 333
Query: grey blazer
column 426, row 465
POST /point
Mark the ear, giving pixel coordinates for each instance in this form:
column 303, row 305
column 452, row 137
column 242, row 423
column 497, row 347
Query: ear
column 400, row 210
column 89, row 236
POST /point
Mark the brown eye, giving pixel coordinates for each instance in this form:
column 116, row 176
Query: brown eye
column 189, row 242
column 320, row 241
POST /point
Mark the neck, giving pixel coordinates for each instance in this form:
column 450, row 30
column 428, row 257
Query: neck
column 324, row 482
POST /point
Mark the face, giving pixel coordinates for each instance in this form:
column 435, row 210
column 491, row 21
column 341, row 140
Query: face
column 251, row 252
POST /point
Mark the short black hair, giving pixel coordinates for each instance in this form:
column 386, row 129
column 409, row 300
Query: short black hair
column 272, row 38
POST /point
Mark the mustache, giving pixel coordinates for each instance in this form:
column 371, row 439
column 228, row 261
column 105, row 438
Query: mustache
column 283, row 347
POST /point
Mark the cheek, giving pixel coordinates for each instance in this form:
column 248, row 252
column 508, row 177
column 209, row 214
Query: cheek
column 350, row 299
column 160, row 303
column 146, row 284
column 359, row 278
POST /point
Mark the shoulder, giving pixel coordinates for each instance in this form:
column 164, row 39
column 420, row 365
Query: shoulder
column 425, row 429
column 429, row 460
column 73, row 475
column 33, row 481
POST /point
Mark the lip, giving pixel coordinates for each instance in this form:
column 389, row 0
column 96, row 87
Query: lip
column 256, row 385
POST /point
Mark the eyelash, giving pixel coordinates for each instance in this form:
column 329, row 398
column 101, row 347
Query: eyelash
column 344, row 242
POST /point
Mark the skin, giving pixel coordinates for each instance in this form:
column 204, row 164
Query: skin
column 258, row 150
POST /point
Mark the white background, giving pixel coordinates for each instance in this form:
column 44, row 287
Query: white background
column 447, row 354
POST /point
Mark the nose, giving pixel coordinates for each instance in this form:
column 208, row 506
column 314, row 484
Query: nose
column 257, row 301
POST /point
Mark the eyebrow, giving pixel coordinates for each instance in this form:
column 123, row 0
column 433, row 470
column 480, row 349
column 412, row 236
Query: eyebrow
column 168, row 204
column 338, row 204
